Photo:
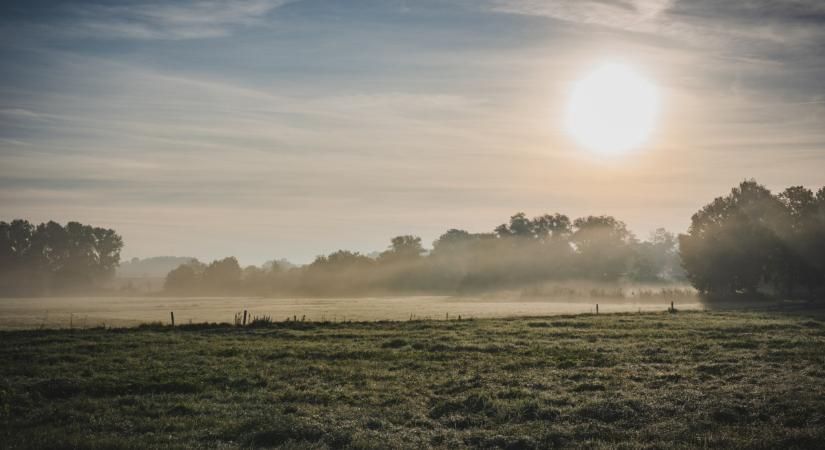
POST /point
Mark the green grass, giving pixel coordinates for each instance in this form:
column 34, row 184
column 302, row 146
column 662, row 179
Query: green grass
column 724, row 379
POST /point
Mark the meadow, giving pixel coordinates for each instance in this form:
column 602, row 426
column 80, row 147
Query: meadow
column 688, row 379
column 120, row 311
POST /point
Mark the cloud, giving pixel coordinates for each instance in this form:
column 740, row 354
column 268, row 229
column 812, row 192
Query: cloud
column 186, row 20
column 623, row 15
column 746, row 25
column 19, row 113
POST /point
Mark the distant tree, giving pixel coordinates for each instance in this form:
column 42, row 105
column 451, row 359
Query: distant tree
column 253, row 275
column 603, row 247
column 451, row 241
column 520, row 226
column 553, row 227
column 340, row 260
column 183, row 279
column 222, row 275
column 278, row 264
column 657, row 258
column 403, row 248
column 548, row 226
column 340, row 272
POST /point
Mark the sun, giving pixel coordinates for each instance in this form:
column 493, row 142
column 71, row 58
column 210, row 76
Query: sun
column 612, row 110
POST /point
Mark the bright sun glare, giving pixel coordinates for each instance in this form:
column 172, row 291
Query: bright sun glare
column 612, row 110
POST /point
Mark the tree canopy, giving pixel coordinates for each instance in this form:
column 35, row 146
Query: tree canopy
column 752, row 239
column 50, row 257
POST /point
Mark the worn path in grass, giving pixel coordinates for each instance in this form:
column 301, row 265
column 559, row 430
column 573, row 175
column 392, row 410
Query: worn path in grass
column 655, row 380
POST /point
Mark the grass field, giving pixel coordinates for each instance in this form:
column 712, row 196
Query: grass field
column 85, row 312
column 650, row 380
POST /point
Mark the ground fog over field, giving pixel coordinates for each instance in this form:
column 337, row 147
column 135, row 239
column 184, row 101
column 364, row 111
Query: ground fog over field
column 83, row 312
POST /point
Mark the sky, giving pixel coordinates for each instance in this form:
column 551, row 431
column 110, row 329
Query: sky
column 291, row 128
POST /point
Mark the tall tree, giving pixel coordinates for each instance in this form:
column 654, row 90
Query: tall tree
column 733, row 244
column 51, row 256
column 799, row 262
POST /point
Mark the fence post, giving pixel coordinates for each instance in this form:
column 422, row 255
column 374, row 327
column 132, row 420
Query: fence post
column 597, row 309
column 244, row 317
column 172, row 316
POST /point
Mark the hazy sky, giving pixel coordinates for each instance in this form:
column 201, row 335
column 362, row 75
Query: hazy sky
column 266, row 129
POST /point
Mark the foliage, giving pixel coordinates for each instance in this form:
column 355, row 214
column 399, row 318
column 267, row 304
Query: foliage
column 752, row 239
column 50, row 257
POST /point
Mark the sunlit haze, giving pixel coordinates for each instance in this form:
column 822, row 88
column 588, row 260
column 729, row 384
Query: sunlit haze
column 292, row 128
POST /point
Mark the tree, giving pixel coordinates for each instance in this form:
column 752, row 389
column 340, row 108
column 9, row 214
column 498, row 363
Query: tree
column 454, row 244
column 403, row 248
column 520, row 226
column 733, row 243
column 802, row 239
column 20, row 267
column 107, row 245
column 453, row 241
column 223, row 275
column 548, row 226
column 603, row 247
column 553, row 227
column 183, row 279
column 15, row 243
column 339, row 272
column 34, row 259
column 77, row 260
column 657, row 258
column 341, row 260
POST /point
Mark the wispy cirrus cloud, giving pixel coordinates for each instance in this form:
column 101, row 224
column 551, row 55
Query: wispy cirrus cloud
column 707, row 23
column 619, row 14
column 184, row 20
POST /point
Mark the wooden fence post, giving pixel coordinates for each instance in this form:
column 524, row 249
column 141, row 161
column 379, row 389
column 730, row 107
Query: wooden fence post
column 597, row 309
column 172, row 315
column 244, row 317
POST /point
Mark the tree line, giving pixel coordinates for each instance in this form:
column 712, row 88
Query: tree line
column 51, row 258
column 522, row 251
column 749, row 241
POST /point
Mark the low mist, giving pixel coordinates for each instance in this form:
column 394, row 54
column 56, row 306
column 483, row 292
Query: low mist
column 520, row 254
